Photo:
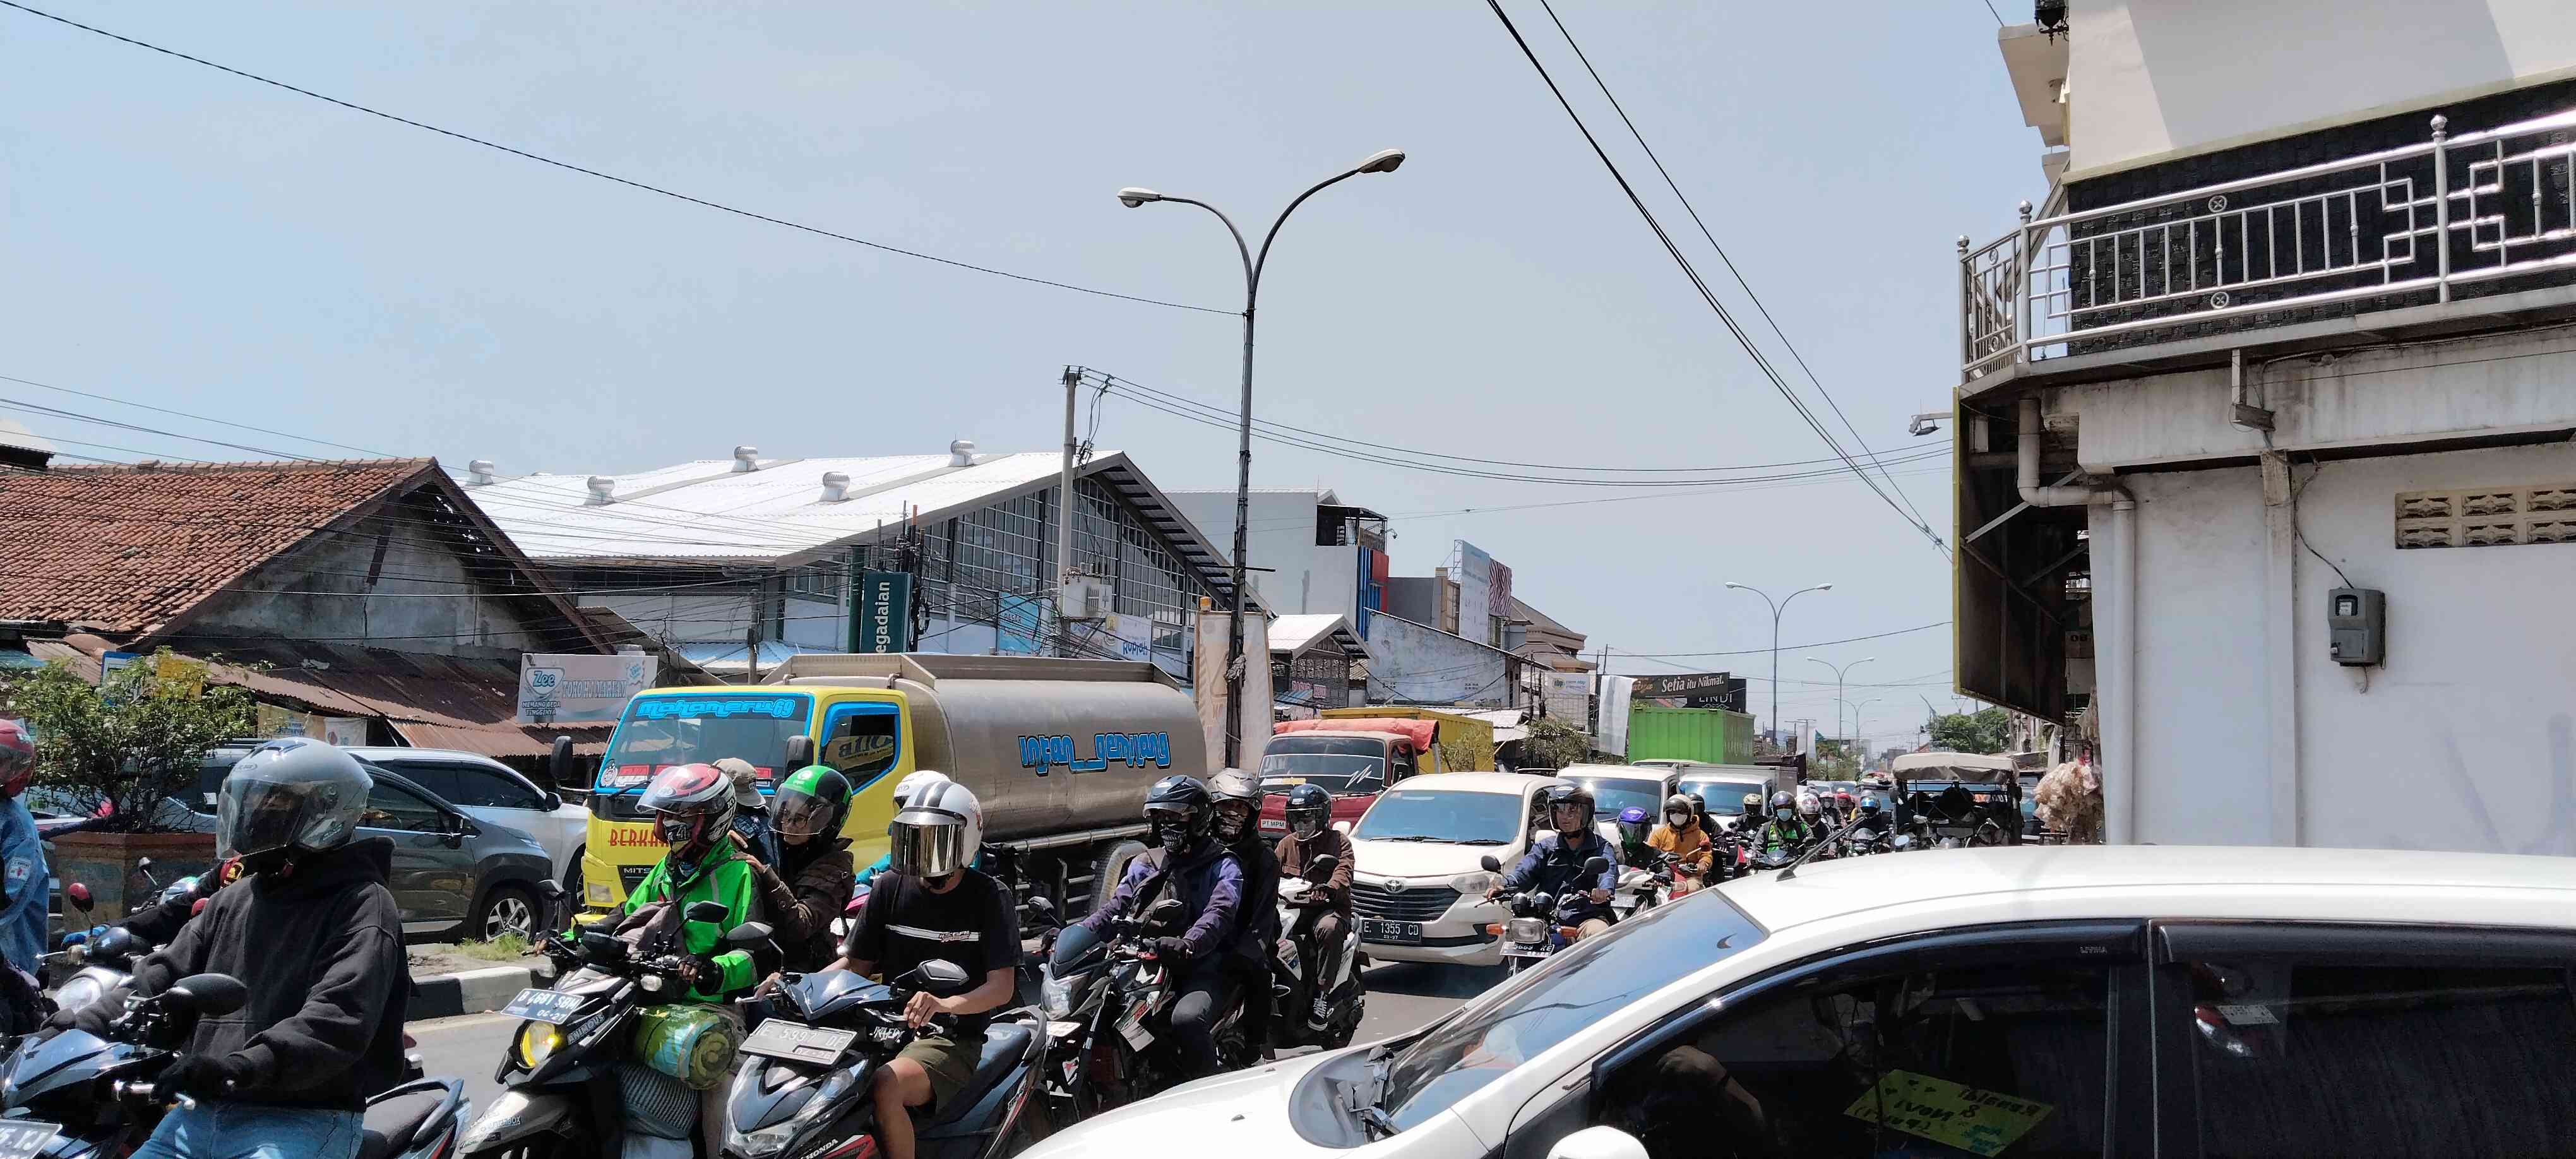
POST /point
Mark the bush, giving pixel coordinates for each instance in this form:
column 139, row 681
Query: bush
column 126, row 745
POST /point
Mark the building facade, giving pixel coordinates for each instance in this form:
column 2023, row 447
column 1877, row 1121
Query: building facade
column 1324, row 556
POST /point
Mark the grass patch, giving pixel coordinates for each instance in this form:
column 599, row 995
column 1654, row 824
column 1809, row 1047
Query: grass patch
column 506, row 948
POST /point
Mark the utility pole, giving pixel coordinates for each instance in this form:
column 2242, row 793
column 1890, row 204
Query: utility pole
column 1064, row 492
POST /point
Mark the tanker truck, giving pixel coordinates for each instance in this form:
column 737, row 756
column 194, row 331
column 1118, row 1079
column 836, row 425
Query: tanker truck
column 1060, row 752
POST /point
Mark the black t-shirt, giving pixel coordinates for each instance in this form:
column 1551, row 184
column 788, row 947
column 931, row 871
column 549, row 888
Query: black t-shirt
column 905, row 924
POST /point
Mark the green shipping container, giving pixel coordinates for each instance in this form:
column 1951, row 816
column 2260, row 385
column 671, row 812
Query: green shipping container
column 1715, row 735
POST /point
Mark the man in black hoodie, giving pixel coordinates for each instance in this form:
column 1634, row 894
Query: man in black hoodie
column 315, row 937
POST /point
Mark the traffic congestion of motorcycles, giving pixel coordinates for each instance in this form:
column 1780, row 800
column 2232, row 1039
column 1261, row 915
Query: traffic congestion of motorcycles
column 636, row 1048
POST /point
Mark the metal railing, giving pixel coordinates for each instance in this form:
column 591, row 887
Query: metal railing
column 2415, row 224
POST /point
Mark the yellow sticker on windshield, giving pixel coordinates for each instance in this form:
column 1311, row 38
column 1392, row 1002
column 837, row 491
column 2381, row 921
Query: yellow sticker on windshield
column 1291, row 782
column 1984, row 1122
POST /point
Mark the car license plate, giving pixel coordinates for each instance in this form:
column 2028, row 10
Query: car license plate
column 553, row 1006
column 1390, row 933
column 795, row 1042
column 24, row 1138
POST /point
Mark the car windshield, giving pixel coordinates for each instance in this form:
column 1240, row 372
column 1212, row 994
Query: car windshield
column 695, row 728
column 1333, row 771
column 1612, row 794
column 1725, row 798
column 1446, row 815
column 1585, row 983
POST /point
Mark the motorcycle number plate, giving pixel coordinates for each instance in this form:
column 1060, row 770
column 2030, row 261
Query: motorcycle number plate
column 1062, row 1031
column 784, row 1039
column 549, row 1006
column 25, row 1138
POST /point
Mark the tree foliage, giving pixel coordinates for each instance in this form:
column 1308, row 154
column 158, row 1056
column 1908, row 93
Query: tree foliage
column 127, row 744
column 1554, row 744
column 1982, row 731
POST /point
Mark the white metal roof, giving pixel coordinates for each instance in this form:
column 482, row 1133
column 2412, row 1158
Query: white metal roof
column 1296, row 634
column 704, row 511
column 1955, row 880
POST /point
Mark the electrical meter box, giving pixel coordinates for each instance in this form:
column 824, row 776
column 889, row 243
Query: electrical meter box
column 2357, row 626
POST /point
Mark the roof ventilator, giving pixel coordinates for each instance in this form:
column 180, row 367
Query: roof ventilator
column 746, row 460
column 836, row 487
column 603, row 491
column 479, row 473
column 961, row 453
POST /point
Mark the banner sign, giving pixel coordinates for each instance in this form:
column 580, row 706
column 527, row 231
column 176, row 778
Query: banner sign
column 883, row 618
column 1694, row 690
column 574, row 689
column 1567, row 697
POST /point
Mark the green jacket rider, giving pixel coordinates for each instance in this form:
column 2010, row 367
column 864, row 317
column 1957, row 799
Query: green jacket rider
column 692, row 808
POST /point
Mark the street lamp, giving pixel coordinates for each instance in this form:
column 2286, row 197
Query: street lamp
column 1776, row 609
column 1838, row 684
column 1382, row 161
column 1860, row 736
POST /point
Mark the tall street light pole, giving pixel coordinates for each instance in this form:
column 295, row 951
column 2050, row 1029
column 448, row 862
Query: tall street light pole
column 1382, row 161
column 1838, row 684
column 1776, row 609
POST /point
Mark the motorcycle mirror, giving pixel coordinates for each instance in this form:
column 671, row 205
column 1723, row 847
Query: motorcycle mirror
column 208, row 994
column 78, row 895
column 748, row 934
column 800, row 752
column 1597, row 866
column 553, row 890
column 1042, row 907
column 710, row 912
column 942, row 977
column 143, row 865
column 1490, row 863
column 1323, row 867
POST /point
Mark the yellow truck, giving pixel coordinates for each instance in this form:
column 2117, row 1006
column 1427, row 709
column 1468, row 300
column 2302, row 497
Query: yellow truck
column 1060, row 752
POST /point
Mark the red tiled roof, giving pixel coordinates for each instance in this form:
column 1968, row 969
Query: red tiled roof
column 128, row 549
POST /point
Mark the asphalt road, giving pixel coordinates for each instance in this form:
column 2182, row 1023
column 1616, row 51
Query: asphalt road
column 1402, row 998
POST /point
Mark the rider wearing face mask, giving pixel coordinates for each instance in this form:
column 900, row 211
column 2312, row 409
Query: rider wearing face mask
column 1682, row 836
column 1555, row 862
column 1238, row 823
column 1788, row 828
column 1327, row 913
column 1188, row 863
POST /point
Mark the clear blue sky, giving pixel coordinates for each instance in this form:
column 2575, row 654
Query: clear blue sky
column 175, row 236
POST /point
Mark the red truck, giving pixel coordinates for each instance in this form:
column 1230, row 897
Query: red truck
column 1352, row 758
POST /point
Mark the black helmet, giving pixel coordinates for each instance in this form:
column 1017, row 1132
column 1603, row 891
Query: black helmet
column 1237, row 787
column 1869, row 806
column 289, row 796
column 1181, row 812
column 1310, row 809
column 1570, row 795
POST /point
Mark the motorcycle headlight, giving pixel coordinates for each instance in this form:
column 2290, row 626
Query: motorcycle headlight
column 1527, row 930
column 81, row 991
column 538, row 1041
column 1472, row 884
column 1901, row 841
column 1055, row 997
column 765, row 1141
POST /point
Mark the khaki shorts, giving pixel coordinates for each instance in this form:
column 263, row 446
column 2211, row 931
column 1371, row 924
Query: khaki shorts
column 950, row 1063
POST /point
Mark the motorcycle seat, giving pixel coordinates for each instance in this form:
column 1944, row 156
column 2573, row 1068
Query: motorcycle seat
column 1006, row 1044
column 394, row 1118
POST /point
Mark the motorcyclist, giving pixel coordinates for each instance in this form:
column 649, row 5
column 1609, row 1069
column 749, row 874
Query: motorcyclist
column 1635, row 827
column 903, row 791
column 693, row 809
column 1870, row 818
column 1238, row 825
column 1555, row 863
column 812, row 881
column 317, row 941
column 1195, row 867
column 931, row 904
column 1788, row 828
column 1753, row 817
column 25, row 884
column 751, row 810
column 1845, row 810
column 1687, row 840
column 1327, row 918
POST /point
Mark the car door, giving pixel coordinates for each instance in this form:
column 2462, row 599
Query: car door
column 433, row 876
column 506, row 799
column 2012, row 1041
column 2364, row 1041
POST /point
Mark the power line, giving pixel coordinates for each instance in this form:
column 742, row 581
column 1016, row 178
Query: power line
column 1831, row 476
column 1626, row 654
column 1990, row 11
column 199, row 418
column 604, row 176
column 1723, row 256
column 1700, row 284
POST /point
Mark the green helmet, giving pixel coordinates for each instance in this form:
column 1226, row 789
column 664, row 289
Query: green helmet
column 812, row 801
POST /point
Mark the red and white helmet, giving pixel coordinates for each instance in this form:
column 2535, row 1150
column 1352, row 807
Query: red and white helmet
column 692, row 807
column 17, row 758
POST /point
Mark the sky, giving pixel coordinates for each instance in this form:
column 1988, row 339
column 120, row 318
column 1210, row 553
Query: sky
column 177, row 237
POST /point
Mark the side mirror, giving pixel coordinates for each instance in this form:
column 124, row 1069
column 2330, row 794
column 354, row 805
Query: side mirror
column 1597, row 866
column 143, row 865
column 78, row 894
column 943, row 977
column 1045, row 911
column 554, row 800
column 800, row 753
column 1490, row 863
column 209, row 994
column 1322, row 867
column 709, row 912
column 559, row 761
column 748, row 933
column 1598, row 1143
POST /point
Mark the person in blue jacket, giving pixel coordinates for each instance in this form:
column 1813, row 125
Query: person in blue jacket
column 25, row 884
column 1555, row 863
column 1189, row 863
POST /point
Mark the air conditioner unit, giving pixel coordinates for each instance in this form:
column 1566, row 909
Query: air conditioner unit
column 1084, row 599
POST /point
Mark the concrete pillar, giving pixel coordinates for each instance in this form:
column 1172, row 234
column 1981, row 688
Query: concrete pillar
column 2281, row 645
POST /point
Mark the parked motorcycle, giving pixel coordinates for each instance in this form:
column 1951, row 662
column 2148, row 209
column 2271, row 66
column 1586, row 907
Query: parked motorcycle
column 1536, row 929
column 1107, row 1001
column 1296, row 1021
column 590, row 1054
column 803, row 1085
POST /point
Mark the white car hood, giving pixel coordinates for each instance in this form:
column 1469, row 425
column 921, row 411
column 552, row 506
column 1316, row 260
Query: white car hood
column 1422, row 858
column 1240, row 1113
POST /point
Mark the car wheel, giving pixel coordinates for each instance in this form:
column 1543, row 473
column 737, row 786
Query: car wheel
column 506, row 909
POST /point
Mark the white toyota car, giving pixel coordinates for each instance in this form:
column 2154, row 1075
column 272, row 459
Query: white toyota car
column 1983, row 1002
column 1417, row 879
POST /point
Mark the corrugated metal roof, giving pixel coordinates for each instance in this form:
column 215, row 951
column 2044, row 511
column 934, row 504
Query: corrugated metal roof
column 1296, row 634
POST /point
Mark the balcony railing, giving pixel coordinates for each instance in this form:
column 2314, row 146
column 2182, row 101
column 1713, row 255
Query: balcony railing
column 2450, row 218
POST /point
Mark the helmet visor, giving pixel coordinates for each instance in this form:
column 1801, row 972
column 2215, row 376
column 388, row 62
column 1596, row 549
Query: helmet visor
column 797, row 813
column 1568, row 815
column 926, row 845
column 256, row 814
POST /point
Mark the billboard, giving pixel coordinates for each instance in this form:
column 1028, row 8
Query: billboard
column 1473, row 571
column 577, row 689
column 1693, row 690
column 883, row 619
column 1567, row 696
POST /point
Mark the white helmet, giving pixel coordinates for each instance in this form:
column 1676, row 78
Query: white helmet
column 1808, row 806
column 937, row 831
column 915, row 782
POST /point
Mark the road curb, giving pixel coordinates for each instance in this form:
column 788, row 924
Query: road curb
column 466, row 992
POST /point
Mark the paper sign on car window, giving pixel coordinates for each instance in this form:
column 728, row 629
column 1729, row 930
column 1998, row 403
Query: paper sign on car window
column 1984, row 1122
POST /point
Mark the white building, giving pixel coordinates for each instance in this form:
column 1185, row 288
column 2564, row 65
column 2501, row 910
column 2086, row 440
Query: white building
column 1323, row 556
column 2290, row 317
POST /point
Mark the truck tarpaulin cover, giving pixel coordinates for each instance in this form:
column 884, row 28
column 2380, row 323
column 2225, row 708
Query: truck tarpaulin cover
column 1419, row 732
